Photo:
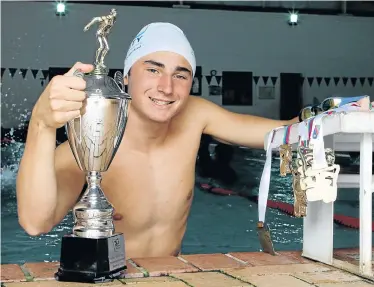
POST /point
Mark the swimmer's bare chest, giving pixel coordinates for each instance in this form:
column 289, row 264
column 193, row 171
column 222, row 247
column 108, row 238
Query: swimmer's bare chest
column 152, row 194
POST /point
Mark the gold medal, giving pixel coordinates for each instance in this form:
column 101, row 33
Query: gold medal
column 285, row 153
column 302, row 163
column 300, row 202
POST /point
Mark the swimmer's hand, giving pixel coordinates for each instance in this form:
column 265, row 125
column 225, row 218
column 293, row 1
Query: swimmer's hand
column 62, row 100
column 86, row 28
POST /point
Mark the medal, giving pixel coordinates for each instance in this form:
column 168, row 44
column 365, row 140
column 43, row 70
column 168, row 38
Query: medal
column 263, row 232
column 285, row 153
column 302, row 163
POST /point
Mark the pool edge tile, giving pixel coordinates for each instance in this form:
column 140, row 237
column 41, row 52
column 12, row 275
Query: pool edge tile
column 12, row 273
column 211, row 262
column 41, row 270
column 263, row 259
column 162, row 266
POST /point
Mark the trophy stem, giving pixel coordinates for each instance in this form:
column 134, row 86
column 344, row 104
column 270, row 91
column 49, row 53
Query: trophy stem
column 93, row 215
column 94, row 191
column 100, row 70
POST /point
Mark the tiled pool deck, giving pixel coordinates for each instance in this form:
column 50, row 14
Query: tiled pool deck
column 287, row 269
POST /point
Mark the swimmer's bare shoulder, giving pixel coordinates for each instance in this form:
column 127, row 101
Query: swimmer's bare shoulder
column 70, row 180
column 191, row 119
column 206, row 111
column 199, row 110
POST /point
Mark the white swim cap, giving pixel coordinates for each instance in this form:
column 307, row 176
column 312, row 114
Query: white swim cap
column 156, row 37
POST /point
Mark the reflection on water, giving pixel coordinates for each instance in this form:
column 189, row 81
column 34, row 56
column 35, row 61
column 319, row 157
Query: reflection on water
column 216, row 223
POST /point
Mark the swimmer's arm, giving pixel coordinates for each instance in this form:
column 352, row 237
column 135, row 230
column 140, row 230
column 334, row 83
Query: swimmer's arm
column 222, row 141
column 237, row 129
column 70, row 181
column 93, row 21
column 48, row 181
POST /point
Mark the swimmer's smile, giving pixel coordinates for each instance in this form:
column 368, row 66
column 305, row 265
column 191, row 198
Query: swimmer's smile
column 161, row 103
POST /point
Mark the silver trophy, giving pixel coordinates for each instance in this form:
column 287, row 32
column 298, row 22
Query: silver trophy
column 94, row 252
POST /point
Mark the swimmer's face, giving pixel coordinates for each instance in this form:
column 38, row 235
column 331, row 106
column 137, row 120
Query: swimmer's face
column 159, row 85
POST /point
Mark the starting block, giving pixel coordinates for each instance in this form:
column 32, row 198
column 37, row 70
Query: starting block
column 342, row 131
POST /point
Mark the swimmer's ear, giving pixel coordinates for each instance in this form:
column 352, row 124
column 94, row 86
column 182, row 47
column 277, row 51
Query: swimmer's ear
column 126, row 80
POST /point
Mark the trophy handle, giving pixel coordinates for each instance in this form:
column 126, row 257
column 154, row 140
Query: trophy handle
column 120, row 124
column 77, row 73
column 118, row 78
column 74, row 133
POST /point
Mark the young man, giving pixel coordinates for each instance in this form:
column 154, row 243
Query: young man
column 151, row 179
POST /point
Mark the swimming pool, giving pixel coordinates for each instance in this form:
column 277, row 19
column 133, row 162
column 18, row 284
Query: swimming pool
column 216, row 223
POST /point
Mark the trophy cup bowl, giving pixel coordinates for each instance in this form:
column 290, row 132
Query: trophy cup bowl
column 94, row 252
column 94, row 139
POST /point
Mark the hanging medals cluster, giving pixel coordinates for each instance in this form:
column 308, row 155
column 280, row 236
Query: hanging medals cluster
column 308, row 183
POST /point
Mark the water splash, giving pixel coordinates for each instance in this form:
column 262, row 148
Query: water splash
column 10, row 157
column 12, row 139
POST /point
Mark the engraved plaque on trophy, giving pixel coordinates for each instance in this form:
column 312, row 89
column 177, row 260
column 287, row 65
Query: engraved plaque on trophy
column 94, row 252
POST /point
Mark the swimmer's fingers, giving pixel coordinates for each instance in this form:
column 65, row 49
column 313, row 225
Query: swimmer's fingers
column 68, row 88
column 58, row 119
column 65, row 106
column 84, row 68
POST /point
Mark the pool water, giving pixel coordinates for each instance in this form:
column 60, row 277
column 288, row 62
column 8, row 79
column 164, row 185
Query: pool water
column 216, row 223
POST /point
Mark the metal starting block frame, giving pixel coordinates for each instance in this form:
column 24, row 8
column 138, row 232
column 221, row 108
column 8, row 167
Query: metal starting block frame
column 343, row 131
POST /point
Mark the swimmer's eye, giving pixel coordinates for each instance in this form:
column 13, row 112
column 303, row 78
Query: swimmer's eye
column 181, row 77
column 153, row 71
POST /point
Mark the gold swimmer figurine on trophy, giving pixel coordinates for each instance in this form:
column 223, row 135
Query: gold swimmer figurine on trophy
column 105, row 25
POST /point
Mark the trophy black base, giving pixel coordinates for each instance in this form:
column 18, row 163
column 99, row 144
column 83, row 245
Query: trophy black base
column 91, row 260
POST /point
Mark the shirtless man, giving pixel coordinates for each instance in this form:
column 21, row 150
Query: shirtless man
column 151, row 180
